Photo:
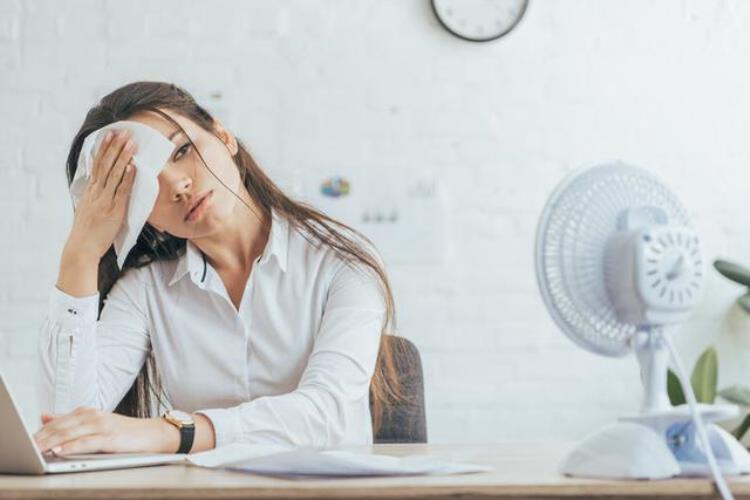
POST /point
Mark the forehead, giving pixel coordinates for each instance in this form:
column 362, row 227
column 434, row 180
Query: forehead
column 166, row 127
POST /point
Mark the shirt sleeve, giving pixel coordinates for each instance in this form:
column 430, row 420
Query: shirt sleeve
column 85, row 362
column 328, row 399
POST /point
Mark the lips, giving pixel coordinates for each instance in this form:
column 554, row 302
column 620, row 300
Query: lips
column 197, row 203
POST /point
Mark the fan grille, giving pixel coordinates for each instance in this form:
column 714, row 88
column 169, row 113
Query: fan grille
column 579, row 218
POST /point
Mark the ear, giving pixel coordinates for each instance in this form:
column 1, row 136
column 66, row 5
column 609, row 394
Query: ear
column 226, row 137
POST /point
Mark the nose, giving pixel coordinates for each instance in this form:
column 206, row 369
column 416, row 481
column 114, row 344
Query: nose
column 177, row 182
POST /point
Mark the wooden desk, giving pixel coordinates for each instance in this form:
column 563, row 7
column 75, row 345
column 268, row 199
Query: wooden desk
column 521, row 471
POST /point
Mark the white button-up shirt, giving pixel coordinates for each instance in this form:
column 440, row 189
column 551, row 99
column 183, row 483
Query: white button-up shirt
column 292, row 366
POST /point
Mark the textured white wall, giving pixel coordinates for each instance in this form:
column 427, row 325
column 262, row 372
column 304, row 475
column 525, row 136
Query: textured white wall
column 319, row 87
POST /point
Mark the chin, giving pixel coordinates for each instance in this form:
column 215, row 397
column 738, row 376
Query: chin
column 211, row 223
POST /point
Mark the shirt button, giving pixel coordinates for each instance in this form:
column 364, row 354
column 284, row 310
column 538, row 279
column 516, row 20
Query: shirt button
column 73, row 311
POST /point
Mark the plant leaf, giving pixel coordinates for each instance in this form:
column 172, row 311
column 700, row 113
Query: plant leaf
column 674, row 389
column 736, row 394
column 744, row 302
column 704, row 376
column 735, row 272
column 741, row 429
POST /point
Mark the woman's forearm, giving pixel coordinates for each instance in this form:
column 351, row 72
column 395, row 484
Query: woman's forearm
column 204, row 433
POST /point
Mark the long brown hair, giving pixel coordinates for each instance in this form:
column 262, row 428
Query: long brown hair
column 153, row 245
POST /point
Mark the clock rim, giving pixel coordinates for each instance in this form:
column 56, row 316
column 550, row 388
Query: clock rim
column 480, row 40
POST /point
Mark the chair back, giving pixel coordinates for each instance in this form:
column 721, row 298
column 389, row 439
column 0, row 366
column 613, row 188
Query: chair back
column 404, row 421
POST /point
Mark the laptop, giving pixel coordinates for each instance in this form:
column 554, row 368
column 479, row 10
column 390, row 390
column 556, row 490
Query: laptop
column 20, row 455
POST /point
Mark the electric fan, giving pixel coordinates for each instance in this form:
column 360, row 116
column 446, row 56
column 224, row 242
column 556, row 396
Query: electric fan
column 619, row 268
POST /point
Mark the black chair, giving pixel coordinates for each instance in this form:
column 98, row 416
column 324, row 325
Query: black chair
column 404, row 421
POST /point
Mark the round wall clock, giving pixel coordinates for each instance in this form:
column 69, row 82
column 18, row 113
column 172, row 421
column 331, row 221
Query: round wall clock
column 479, row 20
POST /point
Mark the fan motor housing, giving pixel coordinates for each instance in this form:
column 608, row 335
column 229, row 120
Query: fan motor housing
column 654, row 275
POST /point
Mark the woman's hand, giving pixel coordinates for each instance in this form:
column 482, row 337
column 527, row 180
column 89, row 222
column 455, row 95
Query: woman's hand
column 102, row 207
column 88, row 430
column 98, row 216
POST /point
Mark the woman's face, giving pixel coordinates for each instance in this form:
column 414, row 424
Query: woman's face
column 185, row 179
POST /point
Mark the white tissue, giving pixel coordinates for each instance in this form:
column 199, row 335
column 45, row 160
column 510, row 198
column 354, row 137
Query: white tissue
column 152, row 154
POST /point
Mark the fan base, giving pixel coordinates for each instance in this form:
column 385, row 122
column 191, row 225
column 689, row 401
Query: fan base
column 657, row 447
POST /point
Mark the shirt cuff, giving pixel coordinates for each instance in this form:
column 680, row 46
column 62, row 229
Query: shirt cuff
column 226, row 425
column 73, row 312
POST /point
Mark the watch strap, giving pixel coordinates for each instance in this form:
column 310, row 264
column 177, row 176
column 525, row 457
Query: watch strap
column 187, row 434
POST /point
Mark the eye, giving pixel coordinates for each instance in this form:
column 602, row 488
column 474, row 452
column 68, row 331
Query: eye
column 181, row 151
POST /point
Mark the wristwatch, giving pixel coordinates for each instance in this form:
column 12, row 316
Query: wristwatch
column 184, row 422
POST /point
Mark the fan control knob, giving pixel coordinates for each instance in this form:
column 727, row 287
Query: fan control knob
column 671, row 268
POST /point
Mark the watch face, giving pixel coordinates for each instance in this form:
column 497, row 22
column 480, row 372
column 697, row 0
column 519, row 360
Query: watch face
column 180, row 416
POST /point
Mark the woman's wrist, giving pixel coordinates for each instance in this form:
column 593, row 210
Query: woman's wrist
column 204, row 433
column 78, row 273
column 80, row 254
column 166, row 436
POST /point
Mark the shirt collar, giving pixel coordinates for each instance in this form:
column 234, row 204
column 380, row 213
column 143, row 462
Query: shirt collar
column 192, row 261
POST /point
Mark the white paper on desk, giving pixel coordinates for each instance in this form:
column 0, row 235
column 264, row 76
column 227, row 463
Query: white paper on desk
column 233, row 453
column 337, row 463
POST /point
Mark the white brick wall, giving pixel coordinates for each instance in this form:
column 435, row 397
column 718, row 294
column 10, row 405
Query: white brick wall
column 315, row 85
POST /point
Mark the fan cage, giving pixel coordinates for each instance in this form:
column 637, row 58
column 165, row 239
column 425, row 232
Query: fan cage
column 578, row 220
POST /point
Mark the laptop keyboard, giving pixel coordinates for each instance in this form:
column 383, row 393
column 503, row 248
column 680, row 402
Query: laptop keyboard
column 93, row 456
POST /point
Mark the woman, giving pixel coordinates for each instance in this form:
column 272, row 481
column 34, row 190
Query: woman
column 258, row 317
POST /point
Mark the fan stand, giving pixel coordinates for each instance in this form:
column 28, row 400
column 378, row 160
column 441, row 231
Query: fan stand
column 660, row 442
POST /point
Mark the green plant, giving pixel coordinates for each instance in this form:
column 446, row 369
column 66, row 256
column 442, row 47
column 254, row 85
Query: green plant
column 703, row 380
column 739, row 274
